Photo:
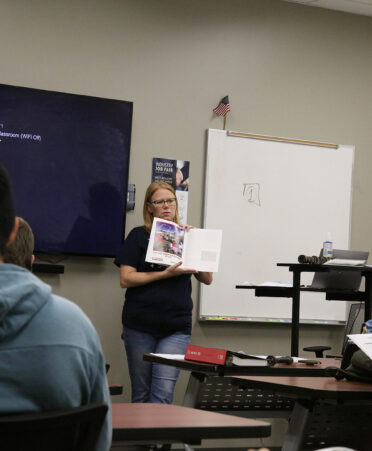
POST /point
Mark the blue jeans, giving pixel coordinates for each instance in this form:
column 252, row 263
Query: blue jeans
column 152, row 382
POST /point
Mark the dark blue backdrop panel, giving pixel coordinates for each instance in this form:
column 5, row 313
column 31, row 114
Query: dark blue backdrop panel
column 68, row 159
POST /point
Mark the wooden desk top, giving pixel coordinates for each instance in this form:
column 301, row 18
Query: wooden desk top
column 280, row 369
column 169, row 423
column 310, row 387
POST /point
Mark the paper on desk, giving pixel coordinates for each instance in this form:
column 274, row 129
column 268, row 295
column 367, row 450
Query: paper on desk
column 169, row 356
column 182, row 356
column 295, row 359
column 364, row 342
column 337, row 448
column 345, row 262
column 275, row 284
column 268, row 284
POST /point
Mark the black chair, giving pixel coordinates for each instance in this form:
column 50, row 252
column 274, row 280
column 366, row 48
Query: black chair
column 74, row 429
column 354, row 325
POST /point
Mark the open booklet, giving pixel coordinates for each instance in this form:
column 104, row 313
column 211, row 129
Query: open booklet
column 197, row 249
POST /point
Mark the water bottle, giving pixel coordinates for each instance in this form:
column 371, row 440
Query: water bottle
column 369, row 326
column 328, row 247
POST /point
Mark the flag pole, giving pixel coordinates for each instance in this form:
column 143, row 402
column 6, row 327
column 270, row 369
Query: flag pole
column 222, row 109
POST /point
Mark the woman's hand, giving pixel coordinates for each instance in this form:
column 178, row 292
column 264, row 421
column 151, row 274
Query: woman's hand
column 204, row 277
column 175, row 270
column 130, row 277
column 186, row 227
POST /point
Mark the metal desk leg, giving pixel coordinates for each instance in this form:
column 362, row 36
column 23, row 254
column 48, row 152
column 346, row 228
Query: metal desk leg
column 296, row 429
column 368, row 299
column 295, row 313
column 193, row 388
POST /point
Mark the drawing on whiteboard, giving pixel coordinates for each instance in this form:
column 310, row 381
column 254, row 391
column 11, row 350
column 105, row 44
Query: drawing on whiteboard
column 252, row 192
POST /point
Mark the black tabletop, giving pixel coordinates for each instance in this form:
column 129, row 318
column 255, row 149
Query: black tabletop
column 296, row 369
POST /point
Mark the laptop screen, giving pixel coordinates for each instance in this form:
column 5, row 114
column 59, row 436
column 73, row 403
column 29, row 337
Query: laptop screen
column 341, row 280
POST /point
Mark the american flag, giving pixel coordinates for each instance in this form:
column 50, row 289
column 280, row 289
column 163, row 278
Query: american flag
column 223, row 107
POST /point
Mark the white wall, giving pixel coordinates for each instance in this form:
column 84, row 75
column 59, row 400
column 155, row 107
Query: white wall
column 290, row 70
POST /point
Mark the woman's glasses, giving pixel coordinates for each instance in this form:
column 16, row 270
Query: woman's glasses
column 161, row 203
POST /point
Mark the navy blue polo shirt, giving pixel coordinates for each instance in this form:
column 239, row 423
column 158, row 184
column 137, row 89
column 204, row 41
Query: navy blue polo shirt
column 162, row 307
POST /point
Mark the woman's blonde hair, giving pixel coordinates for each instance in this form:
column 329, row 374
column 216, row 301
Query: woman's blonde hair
column 147, row 216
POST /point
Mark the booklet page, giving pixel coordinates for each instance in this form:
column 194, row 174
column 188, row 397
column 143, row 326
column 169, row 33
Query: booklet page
column 166, row 243
column 198, row 249
column 202, row 249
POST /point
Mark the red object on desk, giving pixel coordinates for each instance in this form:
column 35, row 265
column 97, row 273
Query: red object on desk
column 206, row 355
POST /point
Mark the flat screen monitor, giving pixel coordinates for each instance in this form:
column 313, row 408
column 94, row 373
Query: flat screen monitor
column 67, row 156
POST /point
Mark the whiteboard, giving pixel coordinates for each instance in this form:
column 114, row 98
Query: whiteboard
column 274, row 201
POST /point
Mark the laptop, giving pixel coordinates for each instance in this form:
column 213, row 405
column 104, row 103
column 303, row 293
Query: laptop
column 341, row 280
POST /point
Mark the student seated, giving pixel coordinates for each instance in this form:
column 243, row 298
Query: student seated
column 50, row 354
column 20, row 250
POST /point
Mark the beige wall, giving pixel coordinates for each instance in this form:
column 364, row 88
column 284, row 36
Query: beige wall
column 289, row 70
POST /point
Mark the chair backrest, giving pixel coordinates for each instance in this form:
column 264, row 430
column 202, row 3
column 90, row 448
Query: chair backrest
column 341, row 280
column 354, row 323
column 74, row 429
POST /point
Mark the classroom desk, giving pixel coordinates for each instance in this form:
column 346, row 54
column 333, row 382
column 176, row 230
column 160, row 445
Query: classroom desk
column 294, row 292
column 210, row 386
column 280, row 369
column 163, row 423
column 327, row 412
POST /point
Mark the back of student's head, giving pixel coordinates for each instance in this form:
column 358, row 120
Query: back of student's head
column 19, row 251
column 7, row 214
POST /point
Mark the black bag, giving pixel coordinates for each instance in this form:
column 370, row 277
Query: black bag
column 360, row 368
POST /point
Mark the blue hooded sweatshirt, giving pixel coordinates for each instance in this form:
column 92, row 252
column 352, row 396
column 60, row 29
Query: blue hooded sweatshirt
column 50, row 353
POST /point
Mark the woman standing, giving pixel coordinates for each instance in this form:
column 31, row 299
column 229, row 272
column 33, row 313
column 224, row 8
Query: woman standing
column 158, row 306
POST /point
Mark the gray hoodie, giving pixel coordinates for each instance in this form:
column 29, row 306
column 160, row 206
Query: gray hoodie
column 50, row 353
